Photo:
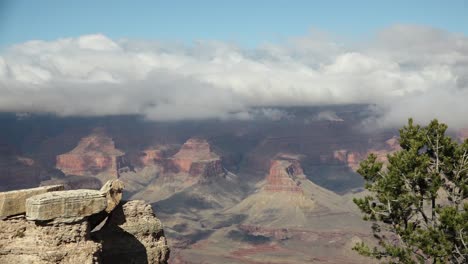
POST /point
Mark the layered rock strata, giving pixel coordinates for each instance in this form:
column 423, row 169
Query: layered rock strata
column 93, row 155
column 26, row 242
column 72, row 204
column 283, row 175
column 58, row 228
column 196, row 158
column 14, row 202
column 353, row 158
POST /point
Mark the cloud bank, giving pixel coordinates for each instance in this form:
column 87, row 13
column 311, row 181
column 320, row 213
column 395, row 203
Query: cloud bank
column 403, row 71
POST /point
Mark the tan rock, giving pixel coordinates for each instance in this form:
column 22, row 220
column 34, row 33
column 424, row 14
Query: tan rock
column 113, row 192
column 72, row 204
column 24, row 242
column 14, row 202
column 133, row 235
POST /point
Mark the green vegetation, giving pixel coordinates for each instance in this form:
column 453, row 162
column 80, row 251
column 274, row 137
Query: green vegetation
column 418, row 202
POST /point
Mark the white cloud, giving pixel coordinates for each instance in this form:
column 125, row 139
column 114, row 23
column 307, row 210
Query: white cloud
column 405, row 71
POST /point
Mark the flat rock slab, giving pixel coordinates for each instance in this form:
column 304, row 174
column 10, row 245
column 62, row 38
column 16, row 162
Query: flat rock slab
column 65, row 204
column 14, row 202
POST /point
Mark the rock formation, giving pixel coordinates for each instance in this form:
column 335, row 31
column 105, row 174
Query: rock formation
column 81, row 226
column 113, row 192
column 289, row 201
column 196, row 158
column 353, row 158
column 26, row 242
column 133, row 235
column 283, row 175
column 73, row 205
column 151, row 156
column 93, row 155
column 14, row 202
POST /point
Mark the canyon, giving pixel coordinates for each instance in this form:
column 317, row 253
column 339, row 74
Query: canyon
column 234, row 191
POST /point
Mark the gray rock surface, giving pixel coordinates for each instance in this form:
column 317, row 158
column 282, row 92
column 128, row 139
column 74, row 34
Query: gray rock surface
column 14, row 202
column 74, row 204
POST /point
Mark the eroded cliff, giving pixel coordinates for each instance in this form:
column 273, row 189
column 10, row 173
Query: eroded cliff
column 93, row 155
column 46, row 225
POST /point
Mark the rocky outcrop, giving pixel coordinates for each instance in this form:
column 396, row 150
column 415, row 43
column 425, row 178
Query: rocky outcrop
column 196, row 158
column 67, row 227
column 209, row 169
column 65, row 205
column 133, row 235
column 14, row 202
column 283, row 176
column 93, row 155
column 26, row 242
column 113, row 193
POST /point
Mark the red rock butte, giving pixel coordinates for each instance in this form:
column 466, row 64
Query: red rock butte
column 353, row 158
column 283, row 175
column 94, row 154
column 196, row 158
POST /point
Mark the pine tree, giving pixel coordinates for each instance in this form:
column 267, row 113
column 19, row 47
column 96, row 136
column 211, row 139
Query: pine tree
column 418, row 202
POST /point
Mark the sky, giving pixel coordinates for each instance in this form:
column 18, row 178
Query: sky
column 244, row 22
column 178, row 60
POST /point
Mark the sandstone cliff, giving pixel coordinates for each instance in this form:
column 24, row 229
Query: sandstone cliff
column 283, row 175
column 196, row 158
column 45, row 226
column 93, row 155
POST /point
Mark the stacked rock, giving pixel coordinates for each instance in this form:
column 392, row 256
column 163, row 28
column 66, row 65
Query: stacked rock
column 50, row 225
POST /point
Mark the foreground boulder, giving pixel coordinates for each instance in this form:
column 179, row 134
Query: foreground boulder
column 25, row 242
column 13, row 202
column 82, row 226
column 74, row 204
column 113, row 190
column 133, row 235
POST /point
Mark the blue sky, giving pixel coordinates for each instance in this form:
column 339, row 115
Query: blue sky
column 243, row 22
